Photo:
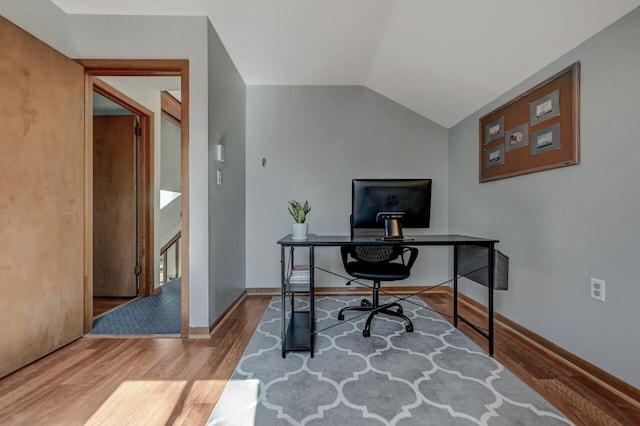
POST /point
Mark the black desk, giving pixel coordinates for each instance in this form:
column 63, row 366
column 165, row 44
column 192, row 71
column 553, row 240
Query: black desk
column 298, row 334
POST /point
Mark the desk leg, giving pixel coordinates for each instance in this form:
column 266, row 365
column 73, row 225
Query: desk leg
column 491, row 286
column 455, row 286
column 312, row 298
column 283, row 305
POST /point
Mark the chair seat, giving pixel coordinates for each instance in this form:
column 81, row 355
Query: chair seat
column 378, row 272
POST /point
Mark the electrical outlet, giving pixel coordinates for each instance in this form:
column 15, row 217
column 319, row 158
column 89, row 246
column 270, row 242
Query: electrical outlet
column 597, row 289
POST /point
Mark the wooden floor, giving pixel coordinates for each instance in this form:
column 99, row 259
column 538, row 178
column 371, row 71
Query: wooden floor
column 103, row 305
column 157, row 381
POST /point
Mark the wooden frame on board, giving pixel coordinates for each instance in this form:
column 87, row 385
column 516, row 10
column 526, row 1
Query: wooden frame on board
column 538, row 130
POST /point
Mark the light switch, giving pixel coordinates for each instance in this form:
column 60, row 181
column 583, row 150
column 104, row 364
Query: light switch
column 219, row 177
column 220, row 152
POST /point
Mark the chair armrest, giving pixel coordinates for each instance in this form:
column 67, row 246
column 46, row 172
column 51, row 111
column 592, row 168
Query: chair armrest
column 412, row 257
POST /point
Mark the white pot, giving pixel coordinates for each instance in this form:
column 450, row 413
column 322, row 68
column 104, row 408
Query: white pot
column 299, row 231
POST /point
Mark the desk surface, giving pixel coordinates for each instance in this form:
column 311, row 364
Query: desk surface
column 409, row 240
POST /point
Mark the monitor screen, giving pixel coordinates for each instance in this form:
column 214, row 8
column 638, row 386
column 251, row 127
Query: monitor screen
column 391, row 204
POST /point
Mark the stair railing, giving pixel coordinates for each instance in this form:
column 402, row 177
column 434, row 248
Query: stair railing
column 164, row 258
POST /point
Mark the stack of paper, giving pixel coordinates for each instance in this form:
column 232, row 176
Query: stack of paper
column 300, row 275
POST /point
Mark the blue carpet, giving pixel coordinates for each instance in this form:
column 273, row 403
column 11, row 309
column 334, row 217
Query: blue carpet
column 159, row 314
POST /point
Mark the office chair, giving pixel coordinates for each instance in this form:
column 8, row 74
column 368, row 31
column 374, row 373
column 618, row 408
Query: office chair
column 378, row 263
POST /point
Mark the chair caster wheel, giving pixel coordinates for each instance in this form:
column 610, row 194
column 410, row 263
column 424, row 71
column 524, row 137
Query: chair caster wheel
column 340, row 317
column 366, row 333
column 409, row 329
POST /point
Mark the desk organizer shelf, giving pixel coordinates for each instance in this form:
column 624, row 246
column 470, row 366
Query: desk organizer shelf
column 297, row 323
column 298, row 279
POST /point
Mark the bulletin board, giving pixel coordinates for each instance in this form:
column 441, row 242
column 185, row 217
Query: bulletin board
column 538, row 130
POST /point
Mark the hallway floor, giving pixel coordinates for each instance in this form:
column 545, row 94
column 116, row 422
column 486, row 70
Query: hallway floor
column 157, row 315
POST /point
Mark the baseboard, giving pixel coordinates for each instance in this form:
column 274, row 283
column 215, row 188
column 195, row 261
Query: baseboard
column 223, row 317
column 263, row 291
column 130, row 336
column 205, row 332
column 350, row 290
column 615, row 385
column 198, row 333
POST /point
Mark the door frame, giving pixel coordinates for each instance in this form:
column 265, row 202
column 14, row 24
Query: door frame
column 140, row 68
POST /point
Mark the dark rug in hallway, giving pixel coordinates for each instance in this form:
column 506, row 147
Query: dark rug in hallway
column 159, row 314
column 433, row 376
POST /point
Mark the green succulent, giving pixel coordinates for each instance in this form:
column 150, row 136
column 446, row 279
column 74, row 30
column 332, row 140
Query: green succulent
column 299, row 211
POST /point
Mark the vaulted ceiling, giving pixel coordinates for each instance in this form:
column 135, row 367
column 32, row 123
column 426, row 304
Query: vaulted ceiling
column 443, row 59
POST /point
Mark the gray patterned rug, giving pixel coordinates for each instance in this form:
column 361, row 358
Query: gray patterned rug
column 433, row 376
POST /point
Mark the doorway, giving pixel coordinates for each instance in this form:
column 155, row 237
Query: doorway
column 117, row 195
column 122, row 156
column 149, row 68
column 117, row 261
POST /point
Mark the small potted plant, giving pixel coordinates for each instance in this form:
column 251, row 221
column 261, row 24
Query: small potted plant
column 299, row 213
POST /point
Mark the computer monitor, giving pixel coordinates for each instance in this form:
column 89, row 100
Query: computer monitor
column 391, row 204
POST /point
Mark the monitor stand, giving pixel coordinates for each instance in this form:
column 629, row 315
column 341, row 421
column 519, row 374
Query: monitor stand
column 392, row 226
column 392, row 229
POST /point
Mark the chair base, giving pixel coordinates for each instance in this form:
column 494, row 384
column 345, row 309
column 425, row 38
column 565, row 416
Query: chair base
column 375, row 309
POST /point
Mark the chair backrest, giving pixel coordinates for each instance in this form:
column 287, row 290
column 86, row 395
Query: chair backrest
column 374, row 254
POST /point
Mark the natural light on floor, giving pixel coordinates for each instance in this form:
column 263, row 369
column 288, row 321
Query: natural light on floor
column 161, row 402
column 167, row 196
column 245, row 400
column 147, row 402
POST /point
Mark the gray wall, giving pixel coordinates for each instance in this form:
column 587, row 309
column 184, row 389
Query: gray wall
column 562, row 227
column 227, row 106
column 170, row 221
column 315, row 140
column 170, row 155
column 41, row 18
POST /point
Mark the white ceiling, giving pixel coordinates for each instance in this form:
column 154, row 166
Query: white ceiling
column 443, row 59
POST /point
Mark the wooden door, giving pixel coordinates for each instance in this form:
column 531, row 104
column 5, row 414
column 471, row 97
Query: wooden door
column 41, row 198
column 114, row 206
